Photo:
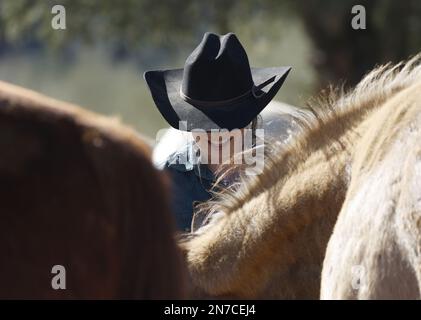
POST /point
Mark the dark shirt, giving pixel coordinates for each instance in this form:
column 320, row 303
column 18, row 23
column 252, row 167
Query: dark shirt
column 188, row 187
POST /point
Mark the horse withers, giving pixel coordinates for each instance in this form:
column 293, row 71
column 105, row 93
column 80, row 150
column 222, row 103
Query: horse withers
column 356, row 157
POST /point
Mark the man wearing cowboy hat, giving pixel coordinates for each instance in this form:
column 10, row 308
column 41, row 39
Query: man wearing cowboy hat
column 215, row 92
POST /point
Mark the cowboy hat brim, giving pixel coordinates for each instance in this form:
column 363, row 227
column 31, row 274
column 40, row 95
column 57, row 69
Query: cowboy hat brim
column 165, row 85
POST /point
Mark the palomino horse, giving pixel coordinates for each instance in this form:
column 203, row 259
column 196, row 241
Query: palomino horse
column 360, row 152
column 79, row 190
column 375, row 249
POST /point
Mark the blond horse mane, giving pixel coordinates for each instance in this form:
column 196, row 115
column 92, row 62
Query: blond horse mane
column 333, row 120
column 329, row 113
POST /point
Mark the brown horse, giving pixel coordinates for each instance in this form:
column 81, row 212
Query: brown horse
column 268, row 239
column 78, row 190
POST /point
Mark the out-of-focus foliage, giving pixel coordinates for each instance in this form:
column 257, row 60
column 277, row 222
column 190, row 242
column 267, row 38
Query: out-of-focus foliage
column 392, row 34
column 393, row 27
column 128, row 22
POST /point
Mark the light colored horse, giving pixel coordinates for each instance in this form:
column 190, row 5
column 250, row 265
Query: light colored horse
column 375, row 249
column 358, row 152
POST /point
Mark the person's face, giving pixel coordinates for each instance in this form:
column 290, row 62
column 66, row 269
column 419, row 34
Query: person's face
column 217, row 147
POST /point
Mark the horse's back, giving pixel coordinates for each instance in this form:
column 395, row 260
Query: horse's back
column 375, row 249
column 79, row 190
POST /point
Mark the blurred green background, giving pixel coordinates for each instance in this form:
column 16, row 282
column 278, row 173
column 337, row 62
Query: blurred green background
column 98, row 61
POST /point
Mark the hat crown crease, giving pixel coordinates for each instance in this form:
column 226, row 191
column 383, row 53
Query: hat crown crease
column 217, row 70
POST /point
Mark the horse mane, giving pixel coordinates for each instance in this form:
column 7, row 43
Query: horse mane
column 325, row 118
column 79, row 190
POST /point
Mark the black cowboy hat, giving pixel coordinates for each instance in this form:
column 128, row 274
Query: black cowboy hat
column 217, row 89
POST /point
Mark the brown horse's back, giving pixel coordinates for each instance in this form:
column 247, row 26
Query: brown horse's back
column 78, row 190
